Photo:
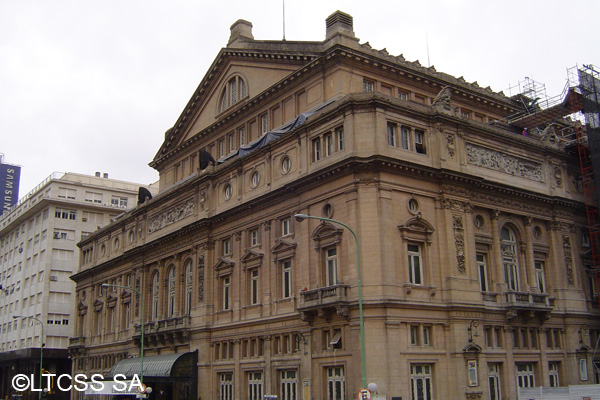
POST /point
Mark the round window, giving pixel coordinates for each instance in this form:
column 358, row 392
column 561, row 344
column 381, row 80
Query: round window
column 286, row 165
column 479, row 221
column 327, row 210
column 131, row 236
column 228, row 191
column 255, row 179
column 116, row 244
column 102, row 250
column 413, row 205
column 537, row 232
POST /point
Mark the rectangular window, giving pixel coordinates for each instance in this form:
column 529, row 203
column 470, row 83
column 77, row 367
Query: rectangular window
column 419, row 141
column 494, row 381
column 511, row 274
column 316, row 145
column 226, row 386
column 65, row 193
column 286, row 226
column 426, row 335
column 119, row 202
column 226, row 292
column 405, row 137
column 226, row 247
column 368, row 86
column 415, row 271
column 414, row 335
column 286, row 274
column 329, row 144
column 336, row 383
column 254, row 237
column 65, row 214
column 255, row 386
column 289, row 385
column 421, row 385
column 221, row 147
column 392, row 134
column 242, row 134
column 553, row 374
column 331, row 265
column 402, row 95
column 339, row 134
column 231, row 140
column 525, row 375
column 539, row 276
column 482, row 268
column 92, row 197
column 254, row 289
column 264, row 123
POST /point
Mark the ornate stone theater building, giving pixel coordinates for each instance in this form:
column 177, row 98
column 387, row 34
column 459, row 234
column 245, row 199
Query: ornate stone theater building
column 472, row 237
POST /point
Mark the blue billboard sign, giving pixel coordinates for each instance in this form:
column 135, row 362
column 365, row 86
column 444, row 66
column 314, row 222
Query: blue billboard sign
column 10, row 176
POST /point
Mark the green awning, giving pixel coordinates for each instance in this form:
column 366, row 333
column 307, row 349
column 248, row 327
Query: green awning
column 161, row 366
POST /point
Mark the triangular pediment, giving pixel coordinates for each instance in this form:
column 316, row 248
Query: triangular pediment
column 224, row 262
column 282, row 246
column 261, row 68
column 251, row 256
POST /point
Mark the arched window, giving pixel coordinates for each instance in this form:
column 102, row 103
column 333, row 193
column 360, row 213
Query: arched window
column 508, row 243
column 155, row 292
column 234, row 91
column 171, row 293
column 188, row 287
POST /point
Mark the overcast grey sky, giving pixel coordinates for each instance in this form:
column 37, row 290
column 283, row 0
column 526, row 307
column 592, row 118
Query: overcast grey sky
column 91, row 86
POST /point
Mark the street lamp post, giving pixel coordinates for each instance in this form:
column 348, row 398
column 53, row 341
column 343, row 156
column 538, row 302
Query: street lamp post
column 142, row 328
column 41, row 346
column 302, row 217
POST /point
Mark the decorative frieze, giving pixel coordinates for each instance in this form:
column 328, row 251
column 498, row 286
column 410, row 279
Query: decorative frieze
column 200, row 279
column 505, row 163
column 456, row 205
column 171, row 215
column 568, row 258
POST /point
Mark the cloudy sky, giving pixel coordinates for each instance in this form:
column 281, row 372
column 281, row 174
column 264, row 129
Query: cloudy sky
column 91, row 86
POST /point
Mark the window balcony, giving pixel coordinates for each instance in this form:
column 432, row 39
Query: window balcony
column 323, row 302
column 528, row 305
column 76, row 346
column 164, row 332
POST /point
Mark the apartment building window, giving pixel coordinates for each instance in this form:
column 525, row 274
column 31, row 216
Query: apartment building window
column 65, row 214
column 509, row 258
column 525, row 338
column 93, row 197
column 421, row 382
column 221, row 147
column 494, row 381
column 539, row 275
column 234, row 91
column 254, row 286
column 336, row 383
column 65, row 193
column 231, row 141
column 226, row 386
column 482, row 269
column 420, row 335
column 420, row 141
column 188, row 287
column 525, row 375
column 405, row 137
column 119, row 202
column 286, row 278
column 331, row 266
column 226, row 292
column 553, row 373
column 415, row 269
column 255, row 385
column 402, row 95
column 155, row 295
column 288, row 384
column 332, row 339
column 368, row 86
column 171, row 292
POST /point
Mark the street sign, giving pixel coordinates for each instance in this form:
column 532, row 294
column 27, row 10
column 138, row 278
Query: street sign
column 364, row 394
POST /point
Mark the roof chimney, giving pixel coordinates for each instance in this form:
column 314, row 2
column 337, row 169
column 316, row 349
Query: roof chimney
column 241, row 29
column 339, row 23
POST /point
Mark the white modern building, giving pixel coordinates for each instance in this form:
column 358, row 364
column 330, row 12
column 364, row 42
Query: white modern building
column 38, row 254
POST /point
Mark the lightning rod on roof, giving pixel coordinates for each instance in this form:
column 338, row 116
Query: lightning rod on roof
column 283, row 1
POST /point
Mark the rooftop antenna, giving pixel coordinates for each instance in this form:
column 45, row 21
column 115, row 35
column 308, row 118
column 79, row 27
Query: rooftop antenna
column 283, row 1
column 427, row 42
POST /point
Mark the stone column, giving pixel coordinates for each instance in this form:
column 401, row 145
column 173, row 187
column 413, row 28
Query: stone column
column 498, row 267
